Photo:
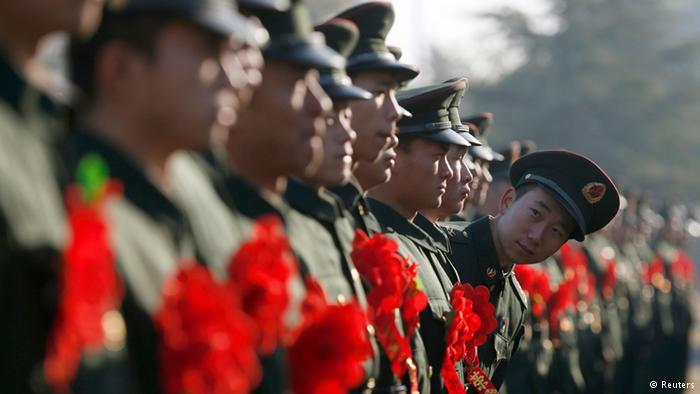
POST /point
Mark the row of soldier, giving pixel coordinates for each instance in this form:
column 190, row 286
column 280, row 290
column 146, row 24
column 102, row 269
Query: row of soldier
column 232, row 202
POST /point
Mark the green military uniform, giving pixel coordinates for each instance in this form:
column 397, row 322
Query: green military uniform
column 474, row 255
column 437, row 285
column 151, row 238
column 32, row 225
column 584, row 191
column 431, row 121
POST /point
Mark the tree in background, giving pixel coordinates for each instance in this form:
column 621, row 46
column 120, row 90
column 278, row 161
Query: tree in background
column 620, row 81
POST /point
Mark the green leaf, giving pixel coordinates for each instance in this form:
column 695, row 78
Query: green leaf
column 92, row 175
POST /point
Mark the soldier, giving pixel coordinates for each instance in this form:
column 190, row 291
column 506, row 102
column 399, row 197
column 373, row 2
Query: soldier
column 152, row 79
column 307, row 195
column 556, row 195
column 458, row 187
column 32, row 220
column 418, row 181
column 483, row 155
column 374, row 68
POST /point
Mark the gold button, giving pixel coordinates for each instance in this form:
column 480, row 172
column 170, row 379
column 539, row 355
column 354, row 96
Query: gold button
column 361, row 209
column 430, row 372
column 340, row 299
column 491, row 272
column 371, row 383
column 114, row 330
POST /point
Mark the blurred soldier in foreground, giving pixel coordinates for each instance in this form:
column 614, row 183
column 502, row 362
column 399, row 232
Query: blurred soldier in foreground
column 32, row 220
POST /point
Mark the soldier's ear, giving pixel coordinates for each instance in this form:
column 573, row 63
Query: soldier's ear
column 507, row 199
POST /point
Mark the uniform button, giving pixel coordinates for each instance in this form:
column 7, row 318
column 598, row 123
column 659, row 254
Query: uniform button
column 390, row 229
column 341, row 299
column 491, row 272
column 355, row 275
column 443, row 318
column 361, row 209
column 430, row 372
column 371, row 383
column 465, row 233
column 114, row 329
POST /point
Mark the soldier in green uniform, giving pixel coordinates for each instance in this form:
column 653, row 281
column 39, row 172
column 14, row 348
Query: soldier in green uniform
column 309, row 194
column 556, row 195
column 483, row 155
column 373, row 67
column 32, row 220
column 418, row 181
column 150, row 79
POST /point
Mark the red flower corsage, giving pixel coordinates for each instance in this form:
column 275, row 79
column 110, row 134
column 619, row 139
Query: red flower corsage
column 260, row 270
column 88, row 284
column 207, row 341
column 330, row 347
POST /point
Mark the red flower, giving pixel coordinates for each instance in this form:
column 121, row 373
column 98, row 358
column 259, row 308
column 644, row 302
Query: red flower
column 536, row 284
column 330, row 347
column 414, row 301
column 88, row 285
column 379, row 263
column 260, row 270
column 392, row 279
column 561, row 299
column 481, row 301
column 206, row 341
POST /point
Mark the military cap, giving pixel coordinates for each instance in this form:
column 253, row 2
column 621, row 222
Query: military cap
column 456, row 119
column 374, row 20
column 431, row 118
column 500, row 169
column 341, row 36
column 582, row 188
column 292, row 38
column 218, row 16
column 480, row 126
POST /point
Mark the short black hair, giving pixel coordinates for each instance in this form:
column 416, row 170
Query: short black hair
column 138, row 30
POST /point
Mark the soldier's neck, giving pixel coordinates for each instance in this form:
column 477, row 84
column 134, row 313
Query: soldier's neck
column 140, row 145
column 503, row 261
column 256, row 174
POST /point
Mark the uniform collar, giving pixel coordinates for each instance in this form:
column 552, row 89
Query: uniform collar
column 250, row 200
column 487, row 260
column 350, row 194
column 392, row 221
column 15, row 89
column 309, row 201
column 439, row 237
column 137, row 187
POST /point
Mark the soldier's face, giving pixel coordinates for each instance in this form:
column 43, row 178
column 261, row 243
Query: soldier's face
column 44, row 16
column 531, row 228
column 378, row 172
column 336, row 167
column 458, row 186
column 186, row 91
column 281, row 131
column 422, row 173
column 375, row 120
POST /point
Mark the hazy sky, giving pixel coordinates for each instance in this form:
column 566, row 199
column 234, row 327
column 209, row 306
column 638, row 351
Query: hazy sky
column 451, row 25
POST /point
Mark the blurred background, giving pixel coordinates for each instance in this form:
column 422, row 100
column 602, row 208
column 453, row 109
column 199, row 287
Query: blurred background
column 619, row 80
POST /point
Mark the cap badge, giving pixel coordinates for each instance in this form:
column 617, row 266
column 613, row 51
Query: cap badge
column 593, row 192
column 528, row 176
column 490, row 272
